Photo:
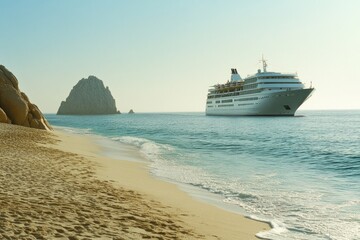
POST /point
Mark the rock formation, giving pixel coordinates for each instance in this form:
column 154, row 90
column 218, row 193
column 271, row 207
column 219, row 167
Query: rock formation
column 15, row 106
column 131, row 111
column 88, row 97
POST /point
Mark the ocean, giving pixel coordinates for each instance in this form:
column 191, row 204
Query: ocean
column 301, row 174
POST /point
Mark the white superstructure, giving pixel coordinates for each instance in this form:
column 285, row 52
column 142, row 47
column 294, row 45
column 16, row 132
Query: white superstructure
column 264, row 93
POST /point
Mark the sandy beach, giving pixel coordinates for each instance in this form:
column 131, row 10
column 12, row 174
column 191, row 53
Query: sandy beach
column 58, row 185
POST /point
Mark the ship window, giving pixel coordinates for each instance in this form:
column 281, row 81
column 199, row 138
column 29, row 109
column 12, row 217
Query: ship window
column 250, row 91
column 287, row 107
column 244, row 104
column 277, row 77
column 209, row 102
column 218, row 101
column 226, row 105
column 246, row 99
column 226, row 101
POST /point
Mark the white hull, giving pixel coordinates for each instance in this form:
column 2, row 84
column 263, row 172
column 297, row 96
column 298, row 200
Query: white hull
column 278, row 103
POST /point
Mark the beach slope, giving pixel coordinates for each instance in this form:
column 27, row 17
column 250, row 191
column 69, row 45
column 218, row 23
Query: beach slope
column 56, row 185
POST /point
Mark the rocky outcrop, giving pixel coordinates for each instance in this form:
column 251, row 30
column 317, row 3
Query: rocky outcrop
column 131, row 111
column 88, row 97
column 15, row 106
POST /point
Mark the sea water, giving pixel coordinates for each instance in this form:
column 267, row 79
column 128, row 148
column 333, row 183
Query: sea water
column 301, row 174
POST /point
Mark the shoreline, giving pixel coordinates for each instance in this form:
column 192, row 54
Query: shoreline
column 127, row 152
column 132, row 171
column 59, row 185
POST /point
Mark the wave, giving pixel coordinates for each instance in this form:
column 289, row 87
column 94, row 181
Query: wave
column 150, row 149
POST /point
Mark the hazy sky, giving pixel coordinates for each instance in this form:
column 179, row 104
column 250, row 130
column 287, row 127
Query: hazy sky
column 162, row 55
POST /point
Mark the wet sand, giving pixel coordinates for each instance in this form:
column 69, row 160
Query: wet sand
column 56, row 185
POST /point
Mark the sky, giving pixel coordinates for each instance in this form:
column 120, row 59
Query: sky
column 162, row 55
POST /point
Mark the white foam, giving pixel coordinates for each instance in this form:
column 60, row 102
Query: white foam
column 151, row 151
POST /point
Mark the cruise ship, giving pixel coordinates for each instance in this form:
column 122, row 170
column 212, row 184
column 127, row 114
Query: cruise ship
column 262, row 94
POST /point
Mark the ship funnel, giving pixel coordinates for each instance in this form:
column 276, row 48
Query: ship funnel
column 234, row 75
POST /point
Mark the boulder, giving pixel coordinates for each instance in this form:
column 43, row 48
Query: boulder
column 16, row 105
column 13, row 104
column 131, row 111
column 3, row 117
column 6, row 77
column 88, row 97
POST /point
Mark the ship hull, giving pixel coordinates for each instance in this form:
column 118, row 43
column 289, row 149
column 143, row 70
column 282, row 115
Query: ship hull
column 282, row 103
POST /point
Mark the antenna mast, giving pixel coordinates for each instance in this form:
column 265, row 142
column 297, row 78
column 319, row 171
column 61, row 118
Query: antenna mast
column 264, row 63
